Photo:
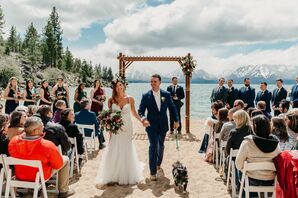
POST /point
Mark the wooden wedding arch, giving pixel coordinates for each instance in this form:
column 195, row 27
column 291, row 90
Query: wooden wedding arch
column 126, row 61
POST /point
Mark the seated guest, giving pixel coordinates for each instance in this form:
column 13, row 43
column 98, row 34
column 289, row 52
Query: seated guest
column 215, row 106
column 292, row 123
column 279, row 129
column 256, row 112
column 239, row 104
column 243, row 129
column 67, row 121
column 284, row 107
column 17, row 121
column 22, row 108
column 31, row 110
column 228, row 126
column 60, row 105
column 259, row 147
column 53, row 131
column 250, row 110
column 3, row 138
column 222, row 118
column 32, row 146
column 261, row 105
column 85, row 116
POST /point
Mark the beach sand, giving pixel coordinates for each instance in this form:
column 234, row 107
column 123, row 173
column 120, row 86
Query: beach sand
column 203, row 178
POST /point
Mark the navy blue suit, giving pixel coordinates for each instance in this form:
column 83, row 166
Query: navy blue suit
column 219, row 93
column 232, row 96
column 294, row 96
column 158, row 124
column 277, row 96
column 247, row 95
column 266, row 97
column 88, row 117
column 179, row 92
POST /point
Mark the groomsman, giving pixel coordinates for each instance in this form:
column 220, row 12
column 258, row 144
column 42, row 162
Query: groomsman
column 247, row 94
column 278, row 95
column 232, row 94
column 177, row 94
column 264, row 95
column 219, row 92
column 294, row 94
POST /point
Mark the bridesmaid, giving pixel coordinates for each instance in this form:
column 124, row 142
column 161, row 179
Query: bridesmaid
column 12, row 94
column 60, row 92
column 79, row 95
column 45, row 98
column 97, row 96
column 29, row 94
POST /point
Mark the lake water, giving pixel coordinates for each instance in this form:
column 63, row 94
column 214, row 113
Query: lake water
column 199, row 96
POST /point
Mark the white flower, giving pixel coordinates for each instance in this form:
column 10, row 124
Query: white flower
column 163, row 99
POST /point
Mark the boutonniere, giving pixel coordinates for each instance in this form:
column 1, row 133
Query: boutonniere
column 163, row 99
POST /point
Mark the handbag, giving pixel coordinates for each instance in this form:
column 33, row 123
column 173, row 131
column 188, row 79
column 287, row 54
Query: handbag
column 204, row 144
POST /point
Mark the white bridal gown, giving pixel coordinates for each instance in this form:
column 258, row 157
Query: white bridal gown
column 120, row 162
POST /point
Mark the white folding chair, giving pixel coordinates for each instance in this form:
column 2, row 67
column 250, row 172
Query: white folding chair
column 88, row 139
column 222, row 156
column 12, row 182
column 2, row 182
column 256, row 166
column 74, row 156
column 231, row 173
column 216, row 149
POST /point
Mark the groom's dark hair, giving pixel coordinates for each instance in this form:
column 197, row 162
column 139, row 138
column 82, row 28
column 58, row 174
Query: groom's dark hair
column 156, row 76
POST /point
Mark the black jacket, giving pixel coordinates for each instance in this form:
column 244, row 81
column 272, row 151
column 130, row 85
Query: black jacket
column 232, row 96
column 266, row 97
column 55, row 133
column 278, row 96
column 219, row 94
column 236, row 137
column 73, row 131
column 179, row 92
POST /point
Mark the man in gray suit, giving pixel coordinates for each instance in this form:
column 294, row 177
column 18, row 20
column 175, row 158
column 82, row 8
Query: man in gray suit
column 220, row 92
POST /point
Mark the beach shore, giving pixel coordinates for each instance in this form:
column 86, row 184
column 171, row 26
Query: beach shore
column 203, row 178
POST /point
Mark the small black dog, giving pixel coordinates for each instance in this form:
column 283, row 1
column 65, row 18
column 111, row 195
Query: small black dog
column 180, row 175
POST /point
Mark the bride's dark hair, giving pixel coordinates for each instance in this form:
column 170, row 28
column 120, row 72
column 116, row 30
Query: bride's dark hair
column 114, row 85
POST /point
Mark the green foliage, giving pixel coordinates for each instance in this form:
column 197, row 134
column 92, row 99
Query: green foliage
column 2, row 22
column 97, row 71
column 31, row 45
column 12, row 41
column 109, row 75
column 8, row 68
column 68, row 60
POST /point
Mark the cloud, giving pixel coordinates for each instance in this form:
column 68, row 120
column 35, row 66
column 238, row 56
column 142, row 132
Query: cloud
column 74, row 14
column 206, row 22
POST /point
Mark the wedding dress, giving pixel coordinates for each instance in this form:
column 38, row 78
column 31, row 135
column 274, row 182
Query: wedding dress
column 119, row 163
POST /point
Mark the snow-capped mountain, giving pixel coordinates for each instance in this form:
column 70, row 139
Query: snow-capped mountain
column 268, row 73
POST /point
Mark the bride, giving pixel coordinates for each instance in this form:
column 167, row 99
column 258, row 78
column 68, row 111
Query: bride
column 119, row 163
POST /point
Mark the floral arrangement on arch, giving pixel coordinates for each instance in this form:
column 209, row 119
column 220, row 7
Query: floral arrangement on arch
column 111, row 120
column 188, row 64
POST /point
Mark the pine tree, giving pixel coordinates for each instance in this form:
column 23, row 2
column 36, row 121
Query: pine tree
column 19, row 44
column 105, row 73
column 77, row 65
column 58, row 52
column 31, row 47
column 68, row 60
column 109, row 75
column 12, row 42
column 84, row 71
column 2, row 21
column 97, row 71
column 52, row 42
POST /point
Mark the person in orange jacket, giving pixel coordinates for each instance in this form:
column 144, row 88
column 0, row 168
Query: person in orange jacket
column 32, row 146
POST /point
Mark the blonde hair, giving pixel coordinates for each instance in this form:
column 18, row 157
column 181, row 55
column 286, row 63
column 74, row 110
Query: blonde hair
column 241, row 118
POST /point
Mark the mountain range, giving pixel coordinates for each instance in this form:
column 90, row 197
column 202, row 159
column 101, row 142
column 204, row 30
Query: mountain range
column 257, row 74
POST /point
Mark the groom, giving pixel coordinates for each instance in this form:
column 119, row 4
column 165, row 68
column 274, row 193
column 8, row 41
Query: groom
column 157, row 102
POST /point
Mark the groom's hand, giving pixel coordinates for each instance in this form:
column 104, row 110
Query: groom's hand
column 176, row 125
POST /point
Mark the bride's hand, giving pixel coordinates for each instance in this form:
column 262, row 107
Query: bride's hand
column 146, row 123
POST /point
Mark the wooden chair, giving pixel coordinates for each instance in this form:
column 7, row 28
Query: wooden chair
column 231, row 173
column 12, row 182
column 74, row 156
column 88, row 139
column 256, row 166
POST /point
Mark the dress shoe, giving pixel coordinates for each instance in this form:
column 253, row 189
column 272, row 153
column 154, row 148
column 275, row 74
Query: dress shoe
column 102, row 146
column 66, row 194
column 153, row 178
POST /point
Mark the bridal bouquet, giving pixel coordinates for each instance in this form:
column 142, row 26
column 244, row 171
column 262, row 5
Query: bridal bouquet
column 111, row 120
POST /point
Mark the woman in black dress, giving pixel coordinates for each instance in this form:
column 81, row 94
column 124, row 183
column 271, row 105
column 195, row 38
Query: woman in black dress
column 45, row 98
column 12, row 94
column 29, row 94
column 60, row 92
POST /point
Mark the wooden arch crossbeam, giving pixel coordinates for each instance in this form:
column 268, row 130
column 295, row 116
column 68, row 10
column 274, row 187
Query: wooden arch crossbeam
column 126, row 61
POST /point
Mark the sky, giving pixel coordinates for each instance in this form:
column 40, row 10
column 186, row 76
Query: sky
column 220, row 34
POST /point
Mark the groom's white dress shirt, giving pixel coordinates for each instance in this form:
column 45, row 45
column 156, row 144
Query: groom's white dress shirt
column 157, row 98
